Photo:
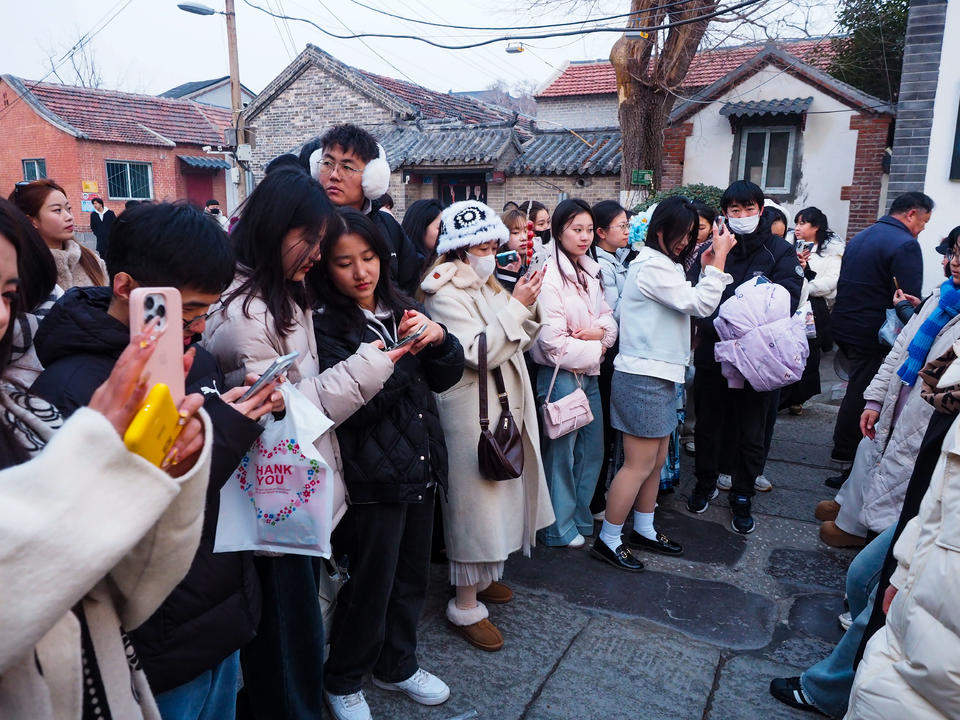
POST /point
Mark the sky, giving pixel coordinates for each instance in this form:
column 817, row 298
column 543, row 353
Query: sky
column 151, row 45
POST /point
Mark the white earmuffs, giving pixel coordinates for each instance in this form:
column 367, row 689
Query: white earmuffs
column 376, row 174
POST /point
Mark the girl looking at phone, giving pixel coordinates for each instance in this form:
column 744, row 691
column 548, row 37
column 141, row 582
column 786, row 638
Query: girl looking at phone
column 266, row 313
column 657, row 304
column 394, row 459
column 508, row 274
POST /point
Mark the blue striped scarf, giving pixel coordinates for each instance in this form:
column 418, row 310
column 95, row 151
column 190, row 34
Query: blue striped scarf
column 946, row 310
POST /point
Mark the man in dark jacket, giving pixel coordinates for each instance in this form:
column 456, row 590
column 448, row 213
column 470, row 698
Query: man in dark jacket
column 100, row 223
column 737, row 416
column 877, row 260
column 189, row 647
column 347, row 161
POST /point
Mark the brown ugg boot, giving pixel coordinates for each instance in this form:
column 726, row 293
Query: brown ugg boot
column 474, row 626
column 496, row 593
column 835, row 537
column 827, row 510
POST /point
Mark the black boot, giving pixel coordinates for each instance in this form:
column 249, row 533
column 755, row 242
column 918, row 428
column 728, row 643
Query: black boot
column 836, row 481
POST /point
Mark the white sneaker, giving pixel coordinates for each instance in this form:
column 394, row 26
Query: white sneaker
column 761, row 484
column 846, row 620
column 578, row 542
column 423, row 687
column 348, row 707
column 724, row 482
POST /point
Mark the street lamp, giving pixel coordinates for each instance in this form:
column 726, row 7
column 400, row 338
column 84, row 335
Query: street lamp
column 235, row 98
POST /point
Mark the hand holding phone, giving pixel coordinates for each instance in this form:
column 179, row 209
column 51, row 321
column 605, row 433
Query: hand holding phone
column 409, row 338
column 164, row 305
column 536, row 265
column 506, row 258
column 279, row 366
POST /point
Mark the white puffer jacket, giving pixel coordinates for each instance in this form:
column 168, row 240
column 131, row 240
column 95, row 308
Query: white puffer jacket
column 911, row 668
column 827, row 268
column 893, row 451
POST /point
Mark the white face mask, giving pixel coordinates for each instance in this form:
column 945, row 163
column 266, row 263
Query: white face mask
column 744, row 225
column 482, row 266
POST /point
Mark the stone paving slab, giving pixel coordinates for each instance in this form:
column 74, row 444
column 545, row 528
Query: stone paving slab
column 743, row 692
column 620, row 669
column 809, row 569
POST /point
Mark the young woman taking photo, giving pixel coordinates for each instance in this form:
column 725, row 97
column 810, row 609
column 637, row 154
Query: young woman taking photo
column 394, row 460
column 656, row 308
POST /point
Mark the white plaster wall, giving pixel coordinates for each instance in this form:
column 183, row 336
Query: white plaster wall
column 828, row 145
column 937, row 183
column 220, row 96
column 579, row 111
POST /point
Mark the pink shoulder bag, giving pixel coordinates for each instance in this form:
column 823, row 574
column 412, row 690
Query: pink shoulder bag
column 568, row 413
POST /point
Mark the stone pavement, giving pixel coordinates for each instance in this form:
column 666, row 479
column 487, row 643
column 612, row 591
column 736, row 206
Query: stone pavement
column 691, row 638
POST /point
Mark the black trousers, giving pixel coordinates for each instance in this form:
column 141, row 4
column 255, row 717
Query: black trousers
column 599, row 501
column 385, row 548
column 861, row 363
column 728, row 421
column 283, row 664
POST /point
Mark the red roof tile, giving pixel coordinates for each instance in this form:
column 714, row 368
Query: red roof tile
column 598, row 78
column 434, row 104
column 121, row 117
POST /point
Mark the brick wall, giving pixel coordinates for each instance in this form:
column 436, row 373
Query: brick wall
column 579, row 111
column 306, row 107
column 864, row 193
column 674, row 152
column 547, row 189
column 918, row 88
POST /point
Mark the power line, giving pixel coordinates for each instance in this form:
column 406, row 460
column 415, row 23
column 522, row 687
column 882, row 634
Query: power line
column 568, row 33
column 519, row 27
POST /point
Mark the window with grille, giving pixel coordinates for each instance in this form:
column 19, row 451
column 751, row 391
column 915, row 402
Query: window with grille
column 34, row 169
column 767, row 157
column 129, row 180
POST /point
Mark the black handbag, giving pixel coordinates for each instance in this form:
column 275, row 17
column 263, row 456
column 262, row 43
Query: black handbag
column 499, row 451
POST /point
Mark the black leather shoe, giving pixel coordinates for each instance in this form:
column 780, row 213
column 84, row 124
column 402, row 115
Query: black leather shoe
column 662, row 545
column 836, row 482
column 622, row 559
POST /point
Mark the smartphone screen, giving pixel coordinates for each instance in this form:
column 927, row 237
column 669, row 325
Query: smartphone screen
column 279, row 366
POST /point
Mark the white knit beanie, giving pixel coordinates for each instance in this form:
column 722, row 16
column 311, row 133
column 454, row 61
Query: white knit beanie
column 468, row 223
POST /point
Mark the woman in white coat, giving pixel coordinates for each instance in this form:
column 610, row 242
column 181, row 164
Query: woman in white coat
column 485, row 520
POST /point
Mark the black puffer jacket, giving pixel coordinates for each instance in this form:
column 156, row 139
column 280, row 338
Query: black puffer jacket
column 393, row 447
column 760, row 253
column 215, row 609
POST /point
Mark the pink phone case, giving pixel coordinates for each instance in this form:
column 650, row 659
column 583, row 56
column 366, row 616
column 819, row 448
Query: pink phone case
column 166, row 363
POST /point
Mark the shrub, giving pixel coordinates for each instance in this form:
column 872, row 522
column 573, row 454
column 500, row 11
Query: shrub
column 708, row 194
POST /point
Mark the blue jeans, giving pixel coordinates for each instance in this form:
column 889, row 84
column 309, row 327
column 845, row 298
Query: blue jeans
column 827, row 684
column 670, row 473
column 212, row 695
column 571, row 463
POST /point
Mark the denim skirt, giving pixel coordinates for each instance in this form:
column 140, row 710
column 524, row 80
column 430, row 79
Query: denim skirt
column 643, row 406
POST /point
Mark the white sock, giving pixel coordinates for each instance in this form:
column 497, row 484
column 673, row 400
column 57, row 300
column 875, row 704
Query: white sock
column 643, row 524
column 610, row 535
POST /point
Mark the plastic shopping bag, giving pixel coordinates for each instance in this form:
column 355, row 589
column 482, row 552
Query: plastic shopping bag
column 890, row 329
column 281, row 496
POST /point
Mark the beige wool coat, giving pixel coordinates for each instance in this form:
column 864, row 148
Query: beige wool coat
column 245, row 341
column 70, row 272
column 103, row 528
column 486, row 520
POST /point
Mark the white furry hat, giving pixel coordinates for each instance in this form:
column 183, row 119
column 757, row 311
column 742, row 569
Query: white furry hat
column 469, row 223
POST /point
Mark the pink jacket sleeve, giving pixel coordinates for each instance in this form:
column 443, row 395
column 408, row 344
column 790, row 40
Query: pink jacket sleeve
column 554, row 344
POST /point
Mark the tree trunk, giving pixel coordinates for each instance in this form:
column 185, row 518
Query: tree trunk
column 645, row 82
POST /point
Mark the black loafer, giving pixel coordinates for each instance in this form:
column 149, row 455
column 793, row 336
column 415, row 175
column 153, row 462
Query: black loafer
column 662, row 545
column 622, row 559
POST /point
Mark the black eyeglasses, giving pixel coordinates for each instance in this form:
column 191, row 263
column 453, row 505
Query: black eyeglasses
column 187, row 324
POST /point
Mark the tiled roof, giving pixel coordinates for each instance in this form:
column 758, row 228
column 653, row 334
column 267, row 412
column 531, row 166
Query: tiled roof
column 202, row 162
column 786, row 106
column 563, row 153
column 434, row 104
column 452, row 143
column 598, row 77
column 111, row 116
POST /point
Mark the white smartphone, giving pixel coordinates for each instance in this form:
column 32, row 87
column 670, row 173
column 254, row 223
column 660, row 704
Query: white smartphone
column 279, row 366
column 409, row 338
column 539, row 260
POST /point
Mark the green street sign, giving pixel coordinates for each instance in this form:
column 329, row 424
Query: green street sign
column 642, row 177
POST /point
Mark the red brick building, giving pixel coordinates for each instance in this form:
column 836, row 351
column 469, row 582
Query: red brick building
column 113, row 145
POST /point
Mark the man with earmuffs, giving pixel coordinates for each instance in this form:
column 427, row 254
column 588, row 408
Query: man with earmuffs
column 353, row 169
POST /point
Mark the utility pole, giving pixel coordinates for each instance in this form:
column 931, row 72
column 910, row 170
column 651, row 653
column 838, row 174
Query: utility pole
column 236, row 101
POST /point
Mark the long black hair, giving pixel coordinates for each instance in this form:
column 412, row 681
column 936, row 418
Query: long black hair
column 344, row 310
column 604, row 213
column 286, row 199
column 35, row 264
column 415, row 222
column 673, row 218
column 815, row 217
column 566, row 211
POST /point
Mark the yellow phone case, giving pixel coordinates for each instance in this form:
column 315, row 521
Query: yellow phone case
column 155, row 426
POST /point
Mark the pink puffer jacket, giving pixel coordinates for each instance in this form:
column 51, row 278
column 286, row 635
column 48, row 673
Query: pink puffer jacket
column 760, row 341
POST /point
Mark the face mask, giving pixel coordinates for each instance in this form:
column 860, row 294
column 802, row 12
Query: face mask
column 482, row 266
column 744, row 225
column 544, row 236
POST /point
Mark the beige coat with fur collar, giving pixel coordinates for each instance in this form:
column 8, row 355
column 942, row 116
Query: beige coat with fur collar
column 70, row 272
column 486, row 520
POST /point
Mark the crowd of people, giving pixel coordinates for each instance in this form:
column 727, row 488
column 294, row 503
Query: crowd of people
column 556, row 361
